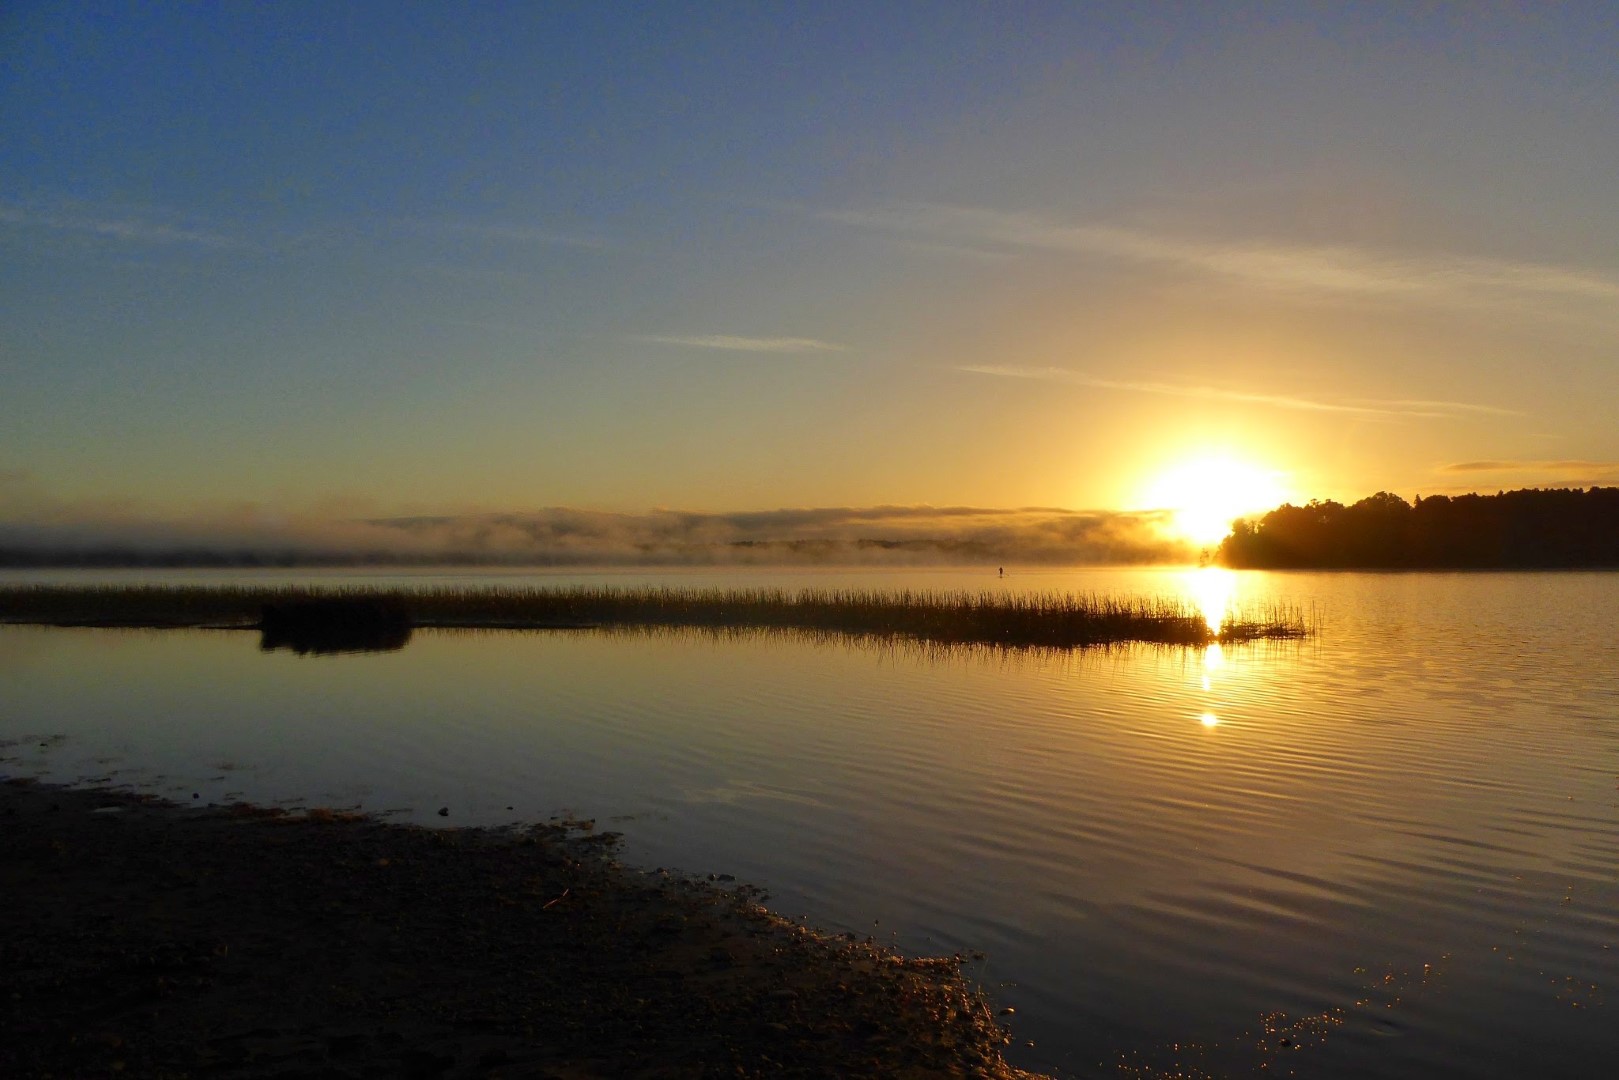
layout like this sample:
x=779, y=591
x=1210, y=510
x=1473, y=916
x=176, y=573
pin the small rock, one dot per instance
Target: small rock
x=444, y=811
x=196, y=795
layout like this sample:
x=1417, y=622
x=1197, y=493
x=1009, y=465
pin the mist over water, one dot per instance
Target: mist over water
x=893, y=536
x=1386, y=851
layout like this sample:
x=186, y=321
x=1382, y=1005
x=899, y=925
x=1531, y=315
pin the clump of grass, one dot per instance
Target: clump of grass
x=1270, y=620
x=1051, y=619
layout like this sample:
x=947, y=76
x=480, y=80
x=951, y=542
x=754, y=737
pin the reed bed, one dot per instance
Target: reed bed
x=1051, y=619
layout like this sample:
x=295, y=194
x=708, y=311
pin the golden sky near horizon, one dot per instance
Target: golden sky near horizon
x=275, y=261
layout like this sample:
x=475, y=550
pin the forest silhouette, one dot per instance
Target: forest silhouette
x=1524, y=529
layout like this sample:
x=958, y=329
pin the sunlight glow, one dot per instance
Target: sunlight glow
x=1208, y=719
x=1207, y=493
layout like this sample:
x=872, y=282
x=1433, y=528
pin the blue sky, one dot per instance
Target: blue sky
x=382, y=258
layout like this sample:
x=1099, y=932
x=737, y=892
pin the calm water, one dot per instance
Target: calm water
x=1395, y=846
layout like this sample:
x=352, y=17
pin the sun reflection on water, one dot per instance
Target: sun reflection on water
x=1211, y=588
x=1213, y=660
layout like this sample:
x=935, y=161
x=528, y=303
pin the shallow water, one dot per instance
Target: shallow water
x=1402, y=836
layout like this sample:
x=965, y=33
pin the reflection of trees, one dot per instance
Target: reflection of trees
x=1523, y=529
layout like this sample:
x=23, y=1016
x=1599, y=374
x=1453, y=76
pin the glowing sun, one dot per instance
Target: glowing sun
x=1206, y=494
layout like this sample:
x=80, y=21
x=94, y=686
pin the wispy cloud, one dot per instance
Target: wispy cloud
x=508, y=234
x=736, y=343
x=1534, y=466
x=1521, y=472
x=477, y=273
x=1319, y=269
x=1363, y=407
x=1448, y=407
x=125, y=228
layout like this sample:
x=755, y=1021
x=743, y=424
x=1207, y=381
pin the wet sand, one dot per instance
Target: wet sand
x=140, y=938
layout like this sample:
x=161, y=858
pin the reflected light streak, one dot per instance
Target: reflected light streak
x=1209, y=720
x=1213, y=660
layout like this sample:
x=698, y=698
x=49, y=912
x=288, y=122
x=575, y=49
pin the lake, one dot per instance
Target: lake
x=1392, y=849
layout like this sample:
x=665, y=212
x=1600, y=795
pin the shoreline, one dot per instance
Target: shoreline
x=148, y=938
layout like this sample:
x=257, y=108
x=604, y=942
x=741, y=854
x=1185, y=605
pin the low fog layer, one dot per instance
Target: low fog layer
x=882, y=535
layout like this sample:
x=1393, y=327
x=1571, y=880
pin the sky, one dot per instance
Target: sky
x=313, y=261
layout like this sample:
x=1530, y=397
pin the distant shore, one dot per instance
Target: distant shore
x=1049, y=620
x=1527, y=529
x=148, y=939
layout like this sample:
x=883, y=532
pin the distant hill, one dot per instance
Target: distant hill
x=1527, y=529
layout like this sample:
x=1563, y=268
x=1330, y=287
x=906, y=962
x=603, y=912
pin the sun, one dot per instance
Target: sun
x=1205, y=494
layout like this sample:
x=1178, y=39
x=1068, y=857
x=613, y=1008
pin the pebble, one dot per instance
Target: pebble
x=444, y=811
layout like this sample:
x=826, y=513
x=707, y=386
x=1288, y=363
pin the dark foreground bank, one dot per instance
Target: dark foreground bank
x=144, y=939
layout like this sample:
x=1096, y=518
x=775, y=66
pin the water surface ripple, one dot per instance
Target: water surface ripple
x=1393, y=846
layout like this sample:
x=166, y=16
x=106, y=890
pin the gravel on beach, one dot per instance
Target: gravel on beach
x=144, y=939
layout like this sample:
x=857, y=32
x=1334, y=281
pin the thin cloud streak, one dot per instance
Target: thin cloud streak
x=1533, y=466
x=1368, y=409
x=735, y=343
x=125, y=229
x=1331, y=269
x=508, y=234
x=1452, y=407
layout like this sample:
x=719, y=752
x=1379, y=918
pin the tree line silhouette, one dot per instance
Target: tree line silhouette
x=1525, y=529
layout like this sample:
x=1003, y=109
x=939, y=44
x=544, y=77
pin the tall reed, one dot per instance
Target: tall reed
x=1033, y=619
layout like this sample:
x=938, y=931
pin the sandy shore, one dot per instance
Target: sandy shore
x=144, y=939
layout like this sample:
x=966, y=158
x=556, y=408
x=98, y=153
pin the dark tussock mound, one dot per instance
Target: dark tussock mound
x=336, y=625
